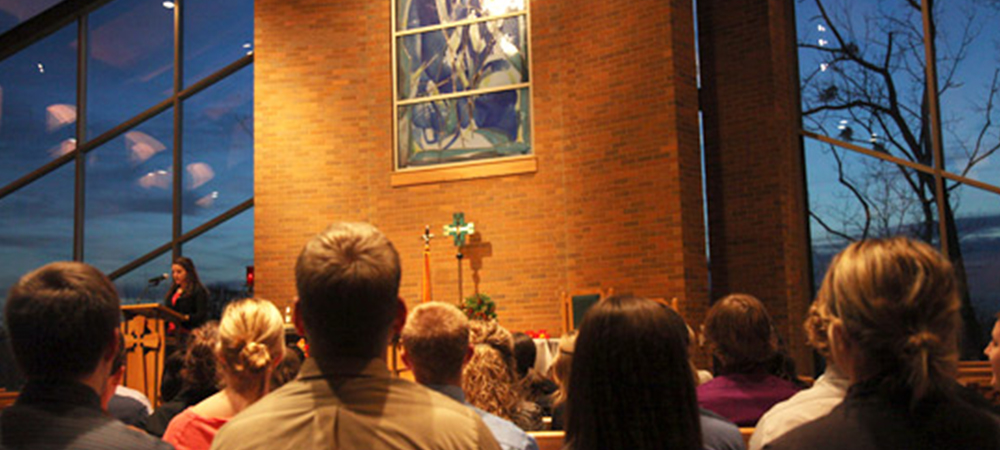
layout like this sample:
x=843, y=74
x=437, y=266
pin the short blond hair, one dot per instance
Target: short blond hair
x=436, y=340
x=251, y=339
x=898, y=302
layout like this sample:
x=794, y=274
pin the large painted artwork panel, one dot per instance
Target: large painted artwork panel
x=478, y=56
x=464, y=129
x=413, y=14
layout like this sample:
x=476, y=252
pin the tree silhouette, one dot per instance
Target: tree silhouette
x=870, y=90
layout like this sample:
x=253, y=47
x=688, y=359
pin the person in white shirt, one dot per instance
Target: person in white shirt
x=813, y=403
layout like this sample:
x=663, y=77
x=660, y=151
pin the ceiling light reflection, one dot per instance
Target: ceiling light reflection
x=159, y=179
x=141, y=146
x=200, y=173
x=169, y=4
x=59, y=115
x=63, y=148
x=208, y=200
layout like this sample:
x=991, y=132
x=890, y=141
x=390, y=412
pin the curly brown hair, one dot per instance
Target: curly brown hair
x=488, y=379
x=199, y=367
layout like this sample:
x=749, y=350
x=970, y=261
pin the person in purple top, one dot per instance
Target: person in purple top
x=742, y=338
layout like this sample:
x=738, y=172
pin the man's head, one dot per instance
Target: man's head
x=348, y=283
x=62, y=320
x=436, y=343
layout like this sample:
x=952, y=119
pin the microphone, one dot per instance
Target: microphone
x=157, y=279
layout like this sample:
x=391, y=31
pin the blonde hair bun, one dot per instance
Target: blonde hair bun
x=254, y=357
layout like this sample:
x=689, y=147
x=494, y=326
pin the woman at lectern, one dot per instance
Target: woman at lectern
x=187, y=295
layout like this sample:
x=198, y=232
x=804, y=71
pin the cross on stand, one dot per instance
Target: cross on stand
x=459, y=229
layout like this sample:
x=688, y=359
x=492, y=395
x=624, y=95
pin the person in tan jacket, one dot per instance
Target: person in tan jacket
x=344, y=397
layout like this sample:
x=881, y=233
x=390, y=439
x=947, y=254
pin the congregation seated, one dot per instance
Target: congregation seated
x=250, y=346
x=632, y=386
x=894, y=307
x=289, y=367
x=348, y=309
x=489, y=378
x=197, y=377
x=63, y=320
x=805, y=406
x=742, y=337
x=436, y=346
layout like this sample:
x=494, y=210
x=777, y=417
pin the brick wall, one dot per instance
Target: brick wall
x=753, y=159
x=616, y=201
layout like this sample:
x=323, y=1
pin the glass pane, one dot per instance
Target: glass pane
x=482, y=55
x=129, y=61
x=129, y=194
x=423, y=13
x=850, y=89
x=216, y=33
x=853, y=196
x=977, y=225
x=967, y=65
x=16, y=12
x=218, y=148
x=221, y=257
x=36, y=227
x=143, y=285
x=464, y=129
x=37, y=104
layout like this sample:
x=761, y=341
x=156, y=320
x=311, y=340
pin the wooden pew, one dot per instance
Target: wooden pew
x=746, y=432
x=548, y=440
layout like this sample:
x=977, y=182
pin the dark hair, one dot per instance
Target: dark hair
x=525, y=353
x=192, y=274
x=61, y=318
x=199, y=371
x=348, y=284
x=741, y=333
x=631, y=385
x=288, y=369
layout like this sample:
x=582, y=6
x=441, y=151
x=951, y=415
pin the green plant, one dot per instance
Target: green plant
x=479, y=306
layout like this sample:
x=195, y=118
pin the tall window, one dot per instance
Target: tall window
x=126, y=140
x=901, y=121
x=462, y=85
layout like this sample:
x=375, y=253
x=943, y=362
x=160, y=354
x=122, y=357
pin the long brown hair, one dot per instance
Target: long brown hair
x=631, y=386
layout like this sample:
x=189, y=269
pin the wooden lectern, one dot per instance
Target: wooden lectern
x=145, y=335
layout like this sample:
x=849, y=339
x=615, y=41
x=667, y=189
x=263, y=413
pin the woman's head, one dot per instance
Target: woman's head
x=561, y=367
x=251, y=343
x=631, y=385
x=488, y=379
x=199, y=369
x=895, y=310
x=183, y=272
x=740, y=333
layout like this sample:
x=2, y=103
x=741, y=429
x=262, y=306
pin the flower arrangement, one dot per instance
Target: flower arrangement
x=479, y=306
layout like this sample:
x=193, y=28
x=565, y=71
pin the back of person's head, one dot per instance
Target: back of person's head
x=348, y=284
x=562, y=366
x=897, y=301
x=251, y=342
x=436, y=341
x=817, y=325
x=631, y=386
x=488, y=379
x=62, y=319
x=525, y=353
x=288, y=368
x=740, y=333
x=199, y=369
